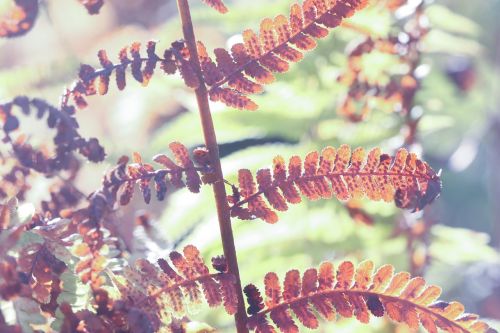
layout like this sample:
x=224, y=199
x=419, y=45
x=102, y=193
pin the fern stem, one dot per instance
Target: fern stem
x=223, y=211
x=354, y=27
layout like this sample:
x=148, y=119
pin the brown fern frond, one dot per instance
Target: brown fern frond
x=397, y=91
x=118, y=184
x=35, y=274
x=113, y=316
x=11, y=281
x=67, y=139
x=250, y=64
x=14, y=176
x=354, y=292
x=92, y=6
x=20, y=19
x=118, y=187
x=340, y=173
x=92, y=81
x=41, y=269
x=168, y=290
x=384, y=95
x=95, y=246
x=63, y=195
x=357, y=213
x=109, y=316
x=218, y=5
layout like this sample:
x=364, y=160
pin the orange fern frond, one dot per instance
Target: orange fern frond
x=354, y=292
x=357, y=103
x=280, y=41
x=20, y=19
x=218, y=5
x=404, y=178
x=119, y=183
x=166, y=292
x=92, y=81
x=92, y=6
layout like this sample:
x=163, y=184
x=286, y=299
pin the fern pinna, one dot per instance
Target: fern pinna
x=92, y=81
x=235, y=74
x=404, y=178
x=397, y=92
x=120, y=181
x=164, y=293
x=218, y=5
x=280, y=41
x=354, y=292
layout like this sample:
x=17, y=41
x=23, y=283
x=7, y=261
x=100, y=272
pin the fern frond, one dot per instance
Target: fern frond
x=218, y=5
x=92, y=81
x=389, y=95
x=95, y=253
x=119, y=183
x=41, y=269
x=167, y=292
x=397, y=92
x=66, y=140
x=15, y=178
x=96, y=246
x=404, y=178
x=357, y=213
x=92, y=6
x=354, y=292
x=118, y=187
x=20, y=19
x=280, y=41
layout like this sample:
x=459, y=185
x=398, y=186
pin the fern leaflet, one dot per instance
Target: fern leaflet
x=354, y=292
x=92, y=81
x=120, y=181
x=282, y=40
x=166, y=292
x=404, y=178
x=218, y=5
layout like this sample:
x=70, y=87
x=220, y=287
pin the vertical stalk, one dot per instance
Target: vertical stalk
x=223, y=213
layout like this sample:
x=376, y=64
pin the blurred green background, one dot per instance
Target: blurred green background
x=459, y=133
